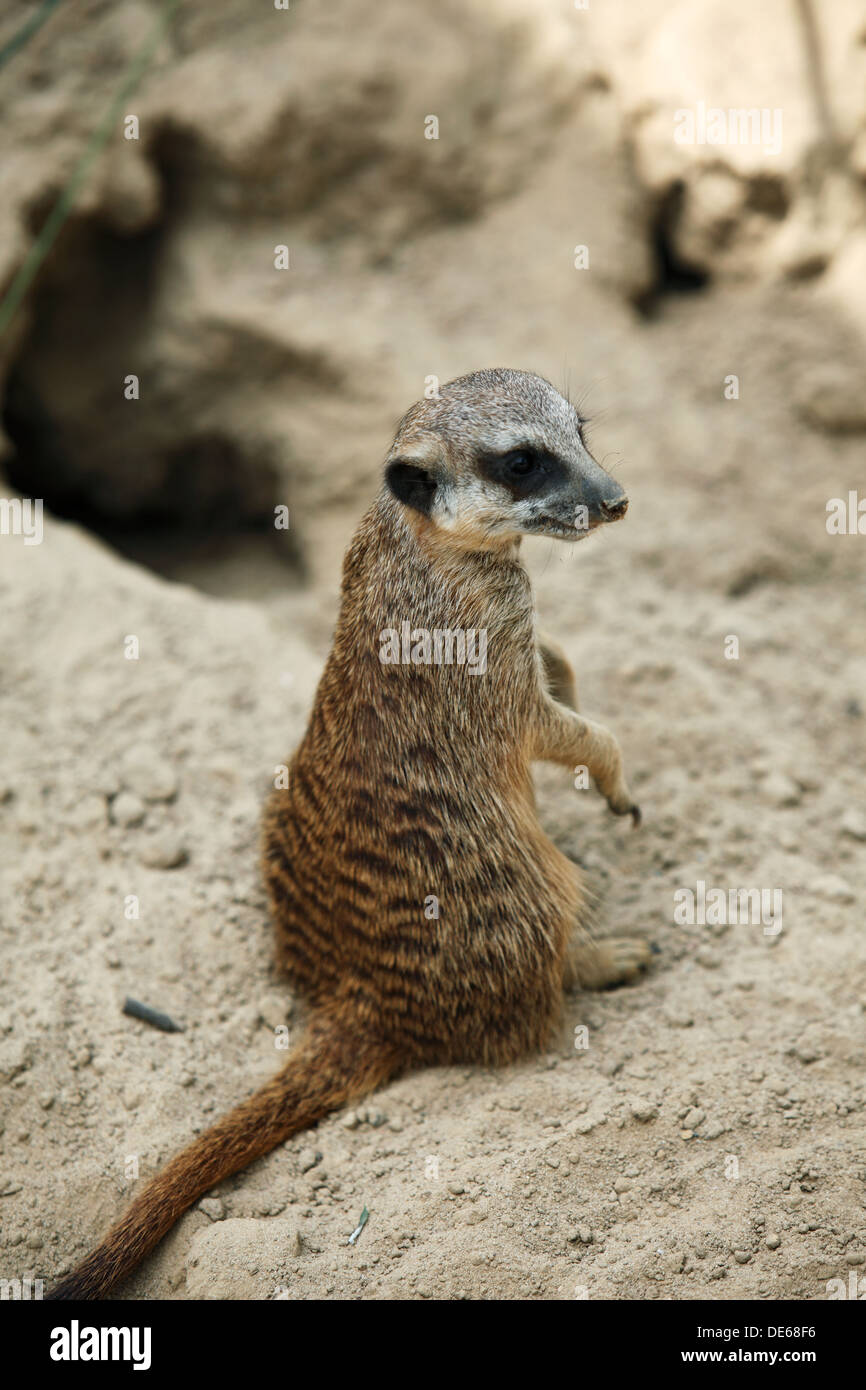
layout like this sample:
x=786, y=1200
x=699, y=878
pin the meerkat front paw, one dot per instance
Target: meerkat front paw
x=622, y=805
x=610, y=780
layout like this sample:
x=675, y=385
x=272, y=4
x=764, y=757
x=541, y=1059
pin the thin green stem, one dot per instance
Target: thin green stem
x=26, y=32
x=49, y=232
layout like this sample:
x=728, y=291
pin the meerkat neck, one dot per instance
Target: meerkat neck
x=448, y=551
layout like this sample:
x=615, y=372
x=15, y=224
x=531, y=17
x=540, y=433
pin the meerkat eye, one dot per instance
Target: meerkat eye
x=523, y=471
x=519, y=463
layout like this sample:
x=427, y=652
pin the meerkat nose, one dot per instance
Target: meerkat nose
x=613, y=510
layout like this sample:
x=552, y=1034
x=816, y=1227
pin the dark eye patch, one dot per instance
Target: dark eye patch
x=524, y=471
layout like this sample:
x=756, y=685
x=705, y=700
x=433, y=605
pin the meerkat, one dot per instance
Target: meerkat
x=417, y=903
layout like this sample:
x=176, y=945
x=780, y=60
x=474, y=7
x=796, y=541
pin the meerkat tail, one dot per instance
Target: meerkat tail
x=330, y=1066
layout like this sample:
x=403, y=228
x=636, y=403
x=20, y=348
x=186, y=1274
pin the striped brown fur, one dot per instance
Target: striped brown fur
x=413, y=783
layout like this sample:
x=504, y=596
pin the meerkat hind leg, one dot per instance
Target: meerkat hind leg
x=601, y=964
x=558, y=674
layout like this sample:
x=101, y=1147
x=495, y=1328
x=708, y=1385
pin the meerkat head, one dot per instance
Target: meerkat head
x=497, y=455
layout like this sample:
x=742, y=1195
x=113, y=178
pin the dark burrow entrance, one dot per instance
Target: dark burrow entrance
x=673, y=275
x=111, y=431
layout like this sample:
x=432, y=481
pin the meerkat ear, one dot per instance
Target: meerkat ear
x=412, y=484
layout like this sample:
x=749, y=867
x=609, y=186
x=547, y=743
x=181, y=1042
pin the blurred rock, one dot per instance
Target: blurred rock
x=148, y=775
x=257, y=387
x=127, y=810
x=833, y=398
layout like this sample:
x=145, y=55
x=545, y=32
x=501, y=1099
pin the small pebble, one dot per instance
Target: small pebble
x=88, y=813
x=677, y=1016
x=712, y=1129
x=127, y=810
x=148, y=775
x=163, y=851
x=853, y=823
x=780, y=790
x=833, y=887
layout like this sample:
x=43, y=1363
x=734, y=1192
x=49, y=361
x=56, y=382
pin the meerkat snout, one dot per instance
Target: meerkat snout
x=498, y=455
x=604, y=499
x=614, y=508
x=614, y=511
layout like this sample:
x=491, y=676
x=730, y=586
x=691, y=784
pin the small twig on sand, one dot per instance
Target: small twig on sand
x=136, y=1009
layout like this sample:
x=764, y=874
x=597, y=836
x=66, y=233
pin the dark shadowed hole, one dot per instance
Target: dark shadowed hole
x=190, y=502
x=769, y=196
x=673, y=274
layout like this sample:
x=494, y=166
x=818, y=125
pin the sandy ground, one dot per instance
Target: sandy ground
x=704, y=1136
x=707, y=1141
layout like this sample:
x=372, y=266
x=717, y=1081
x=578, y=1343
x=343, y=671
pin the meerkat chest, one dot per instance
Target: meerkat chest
x=489, y=635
